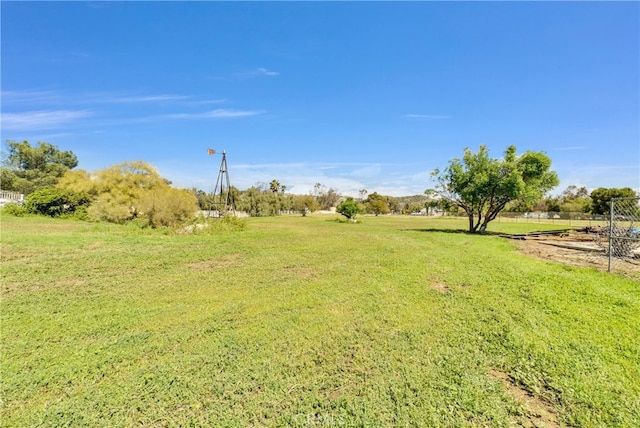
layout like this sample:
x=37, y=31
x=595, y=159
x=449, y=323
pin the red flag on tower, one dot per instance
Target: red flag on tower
x=211, y=151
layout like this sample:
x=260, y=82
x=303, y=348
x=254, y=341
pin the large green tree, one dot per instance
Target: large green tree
x=601, y=198
x=483, y=186
x=377, y=204
x=575, y=200
x=26, y=168
x=304, y=204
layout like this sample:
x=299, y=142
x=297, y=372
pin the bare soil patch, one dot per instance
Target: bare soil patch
x=539, y=412
x=576, y=249
x=440, y=287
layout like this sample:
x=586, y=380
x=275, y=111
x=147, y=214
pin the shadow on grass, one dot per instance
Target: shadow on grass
x=461, y=231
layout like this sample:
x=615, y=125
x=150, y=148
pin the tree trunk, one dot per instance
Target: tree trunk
x=490, y=217
x=472, y=227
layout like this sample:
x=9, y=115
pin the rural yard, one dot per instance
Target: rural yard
x=320, y=214
x=312, y=321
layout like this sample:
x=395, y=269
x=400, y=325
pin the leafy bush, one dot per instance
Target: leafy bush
x=55, y=202
x=228, y=223
x=108, y=207
x=80, y=213
x=14, y=209
x=133, y=192
x=349, y=208
x=167, y=206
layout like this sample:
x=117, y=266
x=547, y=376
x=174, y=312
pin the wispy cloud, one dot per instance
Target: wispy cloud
x=149, y=99
x=323, y=165
x=48, y=97
x=593, y=176
x=265, y=72
x=367, y=171
x=27, y=97
x=216, y=114
x=42, y=119
x=205, y=102
x=426, y=116
x=258, y=72
x=347, y=178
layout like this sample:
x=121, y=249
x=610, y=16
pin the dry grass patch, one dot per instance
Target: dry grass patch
x=10, y=288
x=226, y=261
x=94, y=245
x=300, y=272
x=70, y=282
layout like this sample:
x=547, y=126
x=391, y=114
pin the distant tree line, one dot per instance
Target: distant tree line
x=270, y=199
x=576, y=199
x=476, y=185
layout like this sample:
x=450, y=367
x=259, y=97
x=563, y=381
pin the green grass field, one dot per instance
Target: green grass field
x=395, y=321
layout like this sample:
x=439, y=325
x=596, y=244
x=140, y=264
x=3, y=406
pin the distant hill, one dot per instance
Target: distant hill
x=412, y=200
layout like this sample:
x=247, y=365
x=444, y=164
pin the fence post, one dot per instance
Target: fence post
x=610, y=234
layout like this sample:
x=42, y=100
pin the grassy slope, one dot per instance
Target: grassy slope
x=305, y=321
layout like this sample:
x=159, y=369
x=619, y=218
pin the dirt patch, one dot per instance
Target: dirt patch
x=539, y=413
x=576, y=249
x=440, y=287
x=435, y=284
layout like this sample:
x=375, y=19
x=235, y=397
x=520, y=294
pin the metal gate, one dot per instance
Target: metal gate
x=624, y=230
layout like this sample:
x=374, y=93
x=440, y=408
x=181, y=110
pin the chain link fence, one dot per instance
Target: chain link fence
x=612, y=240
x=574, y=219
x=624, y=231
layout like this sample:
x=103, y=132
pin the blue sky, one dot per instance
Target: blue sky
x=358, y=95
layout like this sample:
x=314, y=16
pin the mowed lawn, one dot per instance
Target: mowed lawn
x=396, y=321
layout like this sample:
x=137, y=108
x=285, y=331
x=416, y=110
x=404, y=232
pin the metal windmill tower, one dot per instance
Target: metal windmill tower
x=222, y=202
